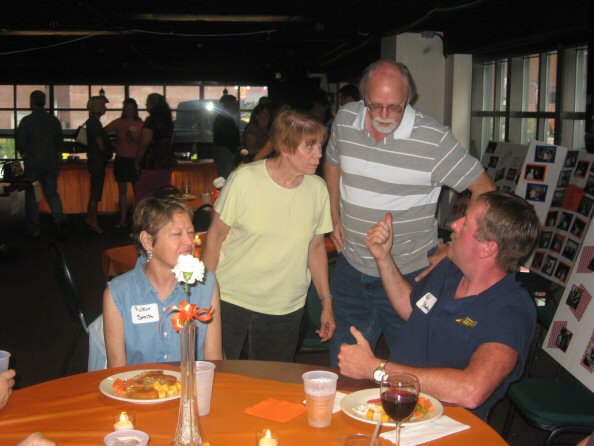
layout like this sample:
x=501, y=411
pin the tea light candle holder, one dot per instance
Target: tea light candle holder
x=124, y=421
x=266, y=437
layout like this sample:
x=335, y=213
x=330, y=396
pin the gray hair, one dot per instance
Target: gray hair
x=403, y=69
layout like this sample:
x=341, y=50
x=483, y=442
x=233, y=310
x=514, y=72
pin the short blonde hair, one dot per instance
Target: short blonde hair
x=291, y=127
x=152, y=214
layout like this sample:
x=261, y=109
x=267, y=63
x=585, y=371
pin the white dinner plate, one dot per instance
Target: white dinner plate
x=106, y=386
x=350, y=403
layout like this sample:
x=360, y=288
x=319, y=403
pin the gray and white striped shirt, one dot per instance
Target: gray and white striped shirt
x=401, y=174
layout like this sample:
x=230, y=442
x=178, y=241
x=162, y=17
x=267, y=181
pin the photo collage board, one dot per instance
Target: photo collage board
x=570, y=339
x=561, y=188
x=503, y=162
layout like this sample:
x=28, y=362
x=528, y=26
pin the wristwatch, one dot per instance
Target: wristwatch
x=380, y=371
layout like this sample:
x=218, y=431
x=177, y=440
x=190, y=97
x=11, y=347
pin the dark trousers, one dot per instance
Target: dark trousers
x=268, y=337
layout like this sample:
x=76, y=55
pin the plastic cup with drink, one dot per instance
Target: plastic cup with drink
x=320, y=391
x=204, y=376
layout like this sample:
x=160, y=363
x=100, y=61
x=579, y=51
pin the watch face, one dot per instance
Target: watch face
x=378, y=375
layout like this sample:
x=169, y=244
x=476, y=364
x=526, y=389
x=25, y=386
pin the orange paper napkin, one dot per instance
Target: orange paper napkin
x=276, y=410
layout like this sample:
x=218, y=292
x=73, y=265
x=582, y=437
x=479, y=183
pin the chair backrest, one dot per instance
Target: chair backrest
x=67, y=285
x=202, y=218
x=166, y=191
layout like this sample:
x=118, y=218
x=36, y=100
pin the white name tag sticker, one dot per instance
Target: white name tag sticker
x=426, y=302
x=144, y=314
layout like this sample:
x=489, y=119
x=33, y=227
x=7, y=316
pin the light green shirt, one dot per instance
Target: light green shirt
x=263, y=261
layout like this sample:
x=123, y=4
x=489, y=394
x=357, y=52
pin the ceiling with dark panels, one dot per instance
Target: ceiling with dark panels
x=253, y=40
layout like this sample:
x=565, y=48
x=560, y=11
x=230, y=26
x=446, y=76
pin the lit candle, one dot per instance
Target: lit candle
x=124, y=421
x=269, y=439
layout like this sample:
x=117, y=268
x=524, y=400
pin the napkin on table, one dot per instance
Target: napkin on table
x=337, y=399
x=276, y=410
x=412, y=435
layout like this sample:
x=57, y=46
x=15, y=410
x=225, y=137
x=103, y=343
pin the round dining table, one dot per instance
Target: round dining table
x=72, y=410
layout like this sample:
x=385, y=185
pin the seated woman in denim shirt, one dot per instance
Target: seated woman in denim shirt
x=135, y=302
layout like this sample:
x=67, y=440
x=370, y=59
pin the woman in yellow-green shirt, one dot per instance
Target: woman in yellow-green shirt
x=266, y=244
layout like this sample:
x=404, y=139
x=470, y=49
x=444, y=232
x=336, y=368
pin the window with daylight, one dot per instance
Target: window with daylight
x=533, y=97
x=69, y=103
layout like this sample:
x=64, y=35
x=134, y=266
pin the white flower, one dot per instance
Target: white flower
x=189, y=269
x=218, y=182
x=244, y=152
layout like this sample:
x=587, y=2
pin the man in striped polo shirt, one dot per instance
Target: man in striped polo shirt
x=383, y=155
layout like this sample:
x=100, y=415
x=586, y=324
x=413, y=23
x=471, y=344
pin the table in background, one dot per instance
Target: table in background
x=122, y=259
x=74, y=185
x=72, y=411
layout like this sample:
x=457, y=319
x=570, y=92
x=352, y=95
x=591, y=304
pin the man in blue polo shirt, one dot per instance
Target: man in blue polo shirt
x=469, y=323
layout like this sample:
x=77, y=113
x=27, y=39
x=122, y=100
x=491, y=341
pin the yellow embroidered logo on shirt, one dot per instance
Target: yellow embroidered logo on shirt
x=467, y=321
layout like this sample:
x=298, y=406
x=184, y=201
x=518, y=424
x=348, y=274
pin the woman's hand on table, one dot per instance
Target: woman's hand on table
x=36, y=439
x=327, y=322
x=6, y=384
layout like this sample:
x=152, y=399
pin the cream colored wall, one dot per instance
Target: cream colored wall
x=424, y=58
x=444, y=85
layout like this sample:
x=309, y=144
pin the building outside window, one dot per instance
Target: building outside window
x=534, y=97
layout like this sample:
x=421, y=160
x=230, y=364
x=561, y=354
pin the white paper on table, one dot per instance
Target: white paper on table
x=414, y=435
x=337, y=399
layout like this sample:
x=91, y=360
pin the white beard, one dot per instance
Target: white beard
x=376, y=123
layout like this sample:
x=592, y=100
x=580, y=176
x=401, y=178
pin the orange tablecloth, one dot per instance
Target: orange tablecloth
x=72, y=411
x=74, y=185
x=122, y=259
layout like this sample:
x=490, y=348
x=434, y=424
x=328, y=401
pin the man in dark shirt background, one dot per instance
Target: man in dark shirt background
x=226, y=136
x=39, y=141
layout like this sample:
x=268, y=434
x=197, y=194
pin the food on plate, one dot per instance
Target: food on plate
x=373, y=410
x=149, y=385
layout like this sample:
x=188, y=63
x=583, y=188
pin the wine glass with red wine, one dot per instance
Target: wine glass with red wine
x=399, y=393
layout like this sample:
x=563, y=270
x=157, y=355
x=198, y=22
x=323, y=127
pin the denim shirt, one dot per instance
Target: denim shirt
x=144, y=343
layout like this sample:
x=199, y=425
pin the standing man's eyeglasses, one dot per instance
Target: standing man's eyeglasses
x=390, y=108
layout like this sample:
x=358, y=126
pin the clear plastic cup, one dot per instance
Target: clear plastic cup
x=357, y=440
x=320, y=391
x=204, y=376
x=4, y=360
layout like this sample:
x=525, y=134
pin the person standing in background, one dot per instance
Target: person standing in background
x=226, y=135
x=128, y=129
x=155, y=158
x=349, y=93
x=39, y=140
x=99, y=151
x=255, y=135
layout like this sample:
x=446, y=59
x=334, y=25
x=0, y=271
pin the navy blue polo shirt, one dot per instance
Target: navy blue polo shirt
x=447, y=334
